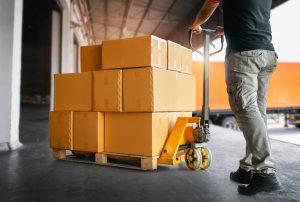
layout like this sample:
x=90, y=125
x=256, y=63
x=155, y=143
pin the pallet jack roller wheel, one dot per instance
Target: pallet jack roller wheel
x=193, y=158
x=206, y=158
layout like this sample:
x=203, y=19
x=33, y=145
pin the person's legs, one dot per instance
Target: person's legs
x=247, y=81
x=263, y=83
x=242, y=85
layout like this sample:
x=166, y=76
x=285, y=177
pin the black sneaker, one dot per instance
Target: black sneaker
x=259, y=182
x=241, y=176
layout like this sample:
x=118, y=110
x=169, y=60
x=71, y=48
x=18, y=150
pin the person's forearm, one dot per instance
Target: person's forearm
x=205, y=12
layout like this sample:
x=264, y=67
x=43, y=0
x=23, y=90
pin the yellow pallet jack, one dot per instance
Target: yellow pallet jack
x=188, y=141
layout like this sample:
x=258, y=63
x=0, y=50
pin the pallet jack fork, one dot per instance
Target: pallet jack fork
x=185, y=140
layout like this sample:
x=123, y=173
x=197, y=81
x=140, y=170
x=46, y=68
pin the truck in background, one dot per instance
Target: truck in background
x=283, y=94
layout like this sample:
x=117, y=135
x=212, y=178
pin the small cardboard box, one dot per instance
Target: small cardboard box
x=88, y=131
x=186, y=92
x=91, y=58
x=186, y=60
x=107, y=87
x=61, y=130
x=134, y=52
x=73, y=92
x=174, y=56
x=149, y=90
x=142, y=134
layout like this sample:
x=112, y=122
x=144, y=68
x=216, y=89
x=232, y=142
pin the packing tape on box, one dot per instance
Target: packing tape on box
x=156, y=59
x=158, y=45
x=151, y=57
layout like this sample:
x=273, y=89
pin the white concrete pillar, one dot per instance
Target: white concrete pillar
x=67, y=38
x=11, y=14
x=55, y=51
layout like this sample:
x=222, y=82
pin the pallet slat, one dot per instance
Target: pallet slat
x=112, y=159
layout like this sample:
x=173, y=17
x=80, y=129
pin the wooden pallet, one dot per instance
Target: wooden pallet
x=110, y=159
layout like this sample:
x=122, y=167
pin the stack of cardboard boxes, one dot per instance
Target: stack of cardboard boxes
x=126, y=98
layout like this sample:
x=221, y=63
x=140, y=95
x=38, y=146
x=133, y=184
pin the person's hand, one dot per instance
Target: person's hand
x=219, y=31
x=196, y=28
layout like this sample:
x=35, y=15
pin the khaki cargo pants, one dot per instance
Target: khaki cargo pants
x=247, y=79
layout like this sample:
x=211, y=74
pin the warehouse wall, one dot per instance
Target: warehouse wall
x=10, y=66
x=70, y=16
x=67, y=40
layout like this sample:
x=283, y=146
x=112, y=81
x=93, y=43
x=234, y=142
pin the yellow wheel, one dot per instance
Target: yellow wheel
x=193, y=158
x=206, y=158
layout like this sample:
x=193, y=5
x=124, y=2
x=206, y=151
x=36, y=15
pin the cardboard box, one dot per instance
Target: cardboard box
x=186, y=60
x=73, y=92
x=107, y=87
x=157, y=90
x=91, y=58
x=149, y=90
x=134, y=52
x=88, y=131
x=186, y=92
x=61, y=130
x=141, y=134
x=174, y=56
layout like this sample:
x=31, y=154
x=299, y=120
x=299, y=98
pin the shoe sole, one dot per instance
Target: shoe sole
x=269, y=189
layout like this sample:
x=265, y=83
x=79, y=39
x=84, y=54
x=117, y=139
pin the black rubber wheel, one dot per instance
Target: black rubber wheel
x=229, y=122
x=298, y=125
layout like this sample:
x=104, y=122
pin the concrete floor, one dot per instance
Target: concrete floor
x=31, y=174
x=289, y=134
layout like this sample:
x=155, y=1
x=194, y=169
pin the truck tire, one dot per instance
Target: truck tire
x=298, y=125
x=229, y=122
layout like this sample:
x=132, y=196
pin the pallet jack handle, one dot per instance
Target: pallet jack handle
x=209, y=32
x=205, y=107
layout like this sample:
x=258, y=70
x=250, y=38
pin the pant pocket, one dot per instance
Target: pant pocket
x=272, y=61
x=235, y=94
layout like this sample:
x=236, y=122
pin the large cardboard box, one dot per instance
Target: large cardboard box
x=134, y=52
x=149, y=90
x=186, y=60
x=157, y=90
x=61, y=130
x=88, y=131
x=186, y=92
x=91, y=58
x=174, y=56
x=73, y=92
x=141, y=134
x=107, y=87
